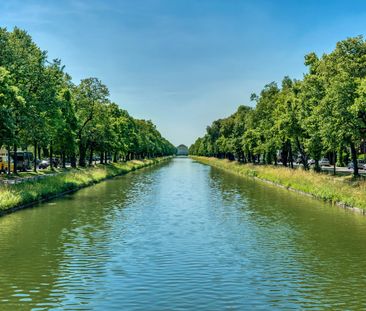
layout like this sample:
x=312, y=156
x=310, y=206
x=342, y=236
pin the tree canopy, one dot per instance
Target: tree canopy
x=42, y=109
x=324, y=114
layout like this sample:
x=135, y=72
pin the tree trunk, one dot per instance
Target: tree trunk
x=15, y=168
x=9, y=160
x=334, y=163
x=317, y=166
x=73, y=160
x=82, y=155
x=91, y=155
x=354, y=160
x=340, y=157
x=291, y=156
x=51, y=156
x=285, y=153
x=63, y=160
x=35, y=157
x=302, y=154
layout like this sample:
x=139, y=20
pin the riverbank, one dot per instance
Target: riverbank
x=18, y=196
x=339, y=190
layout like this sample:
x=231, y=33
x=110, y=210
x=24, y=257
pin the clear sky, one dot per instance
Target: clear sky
x=184, y=63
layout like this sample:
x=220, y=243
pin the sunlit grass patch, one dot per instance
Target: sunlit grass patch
x=31, y=191
x=335, y=189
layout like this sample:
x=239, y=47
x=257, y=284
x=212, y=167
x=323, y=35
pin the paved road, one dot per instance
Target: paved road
x=344, y=170
x=339, y=169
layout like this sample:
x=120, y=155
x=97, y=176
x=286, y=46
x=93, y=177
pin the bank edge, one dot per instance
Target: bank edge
x=27, y=194
x=346, y=193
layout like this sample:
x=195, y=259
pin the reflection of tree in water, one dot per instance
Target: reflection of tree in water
x=266, y=243
x=315, y=249
x=42, y=247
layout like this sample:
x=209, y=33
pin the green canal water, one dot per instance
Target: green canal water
x=182, y=236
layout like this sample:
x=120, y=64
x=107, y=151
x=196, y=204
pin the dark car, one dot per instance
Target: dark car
x=56, y=162
x=44, y=164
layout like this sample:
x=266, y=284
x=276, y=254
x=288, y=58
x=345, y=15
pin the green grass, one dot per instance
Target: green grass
x=46, y=171
x=27, y=192
x=335, y=189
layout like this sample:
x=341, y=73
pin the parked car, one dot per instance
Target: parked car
x=360, y=163
x=324, y=162
x=56, y=162
x=23, y=158
x=311, y=162
x=44, y=164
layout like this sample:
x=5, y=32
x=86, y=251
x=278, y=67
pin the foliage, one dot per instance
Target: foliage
x=41, y=108
x=340, y=190
x=322, y=115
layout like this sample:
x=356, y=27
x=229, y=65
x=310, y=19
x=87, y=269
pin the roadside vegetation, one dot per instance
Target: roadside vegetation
x=31, y=174
x=12, y=196
x=322, y=115
x=44, y=112
x=344, y=190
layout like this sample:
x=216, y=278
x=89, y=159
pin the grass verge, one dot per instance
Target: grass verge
x=341, y=190
x=29, y=174
x=13, y=196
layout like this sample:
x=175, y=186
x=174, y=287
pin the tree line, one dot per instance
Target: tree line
x=322, y=114
x=42, y=109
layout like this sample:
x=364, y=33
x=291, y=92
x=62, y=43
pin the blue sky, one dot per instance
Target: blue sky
x=184, y=63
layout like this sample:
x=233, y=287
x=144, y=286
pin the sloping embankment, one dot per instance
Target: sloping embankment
x=342, y=191
x=19, y=196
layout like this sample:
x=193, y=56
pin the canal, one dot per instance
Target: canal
x=182, y=236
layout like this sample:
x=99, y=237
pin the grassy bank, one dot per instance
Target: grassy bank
x=13, y=196
x=30, y=174
x=340, y=190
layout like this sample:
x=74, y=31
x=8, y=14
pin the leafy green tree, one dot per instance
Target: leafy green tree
x=342, y=72
x=90, y=94
x=11, y=105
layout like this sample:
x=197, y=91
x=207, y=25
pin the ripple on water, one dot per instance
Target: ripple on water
x=182, y=236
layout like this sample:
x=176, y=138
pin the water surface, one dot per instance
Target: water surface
x=182, y=236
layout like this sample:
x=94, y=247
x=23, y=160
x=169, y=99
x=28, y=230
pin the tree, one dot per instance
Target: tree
x=343, y=71
x=11, y=105
x=90, y=94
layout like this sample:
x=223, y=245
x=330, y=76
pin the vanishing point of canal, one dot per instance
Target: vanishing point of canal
x=182, y=236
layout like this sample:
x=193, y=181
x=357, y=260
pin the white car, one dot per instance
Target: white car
x=324, y=162
x=360, y=163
